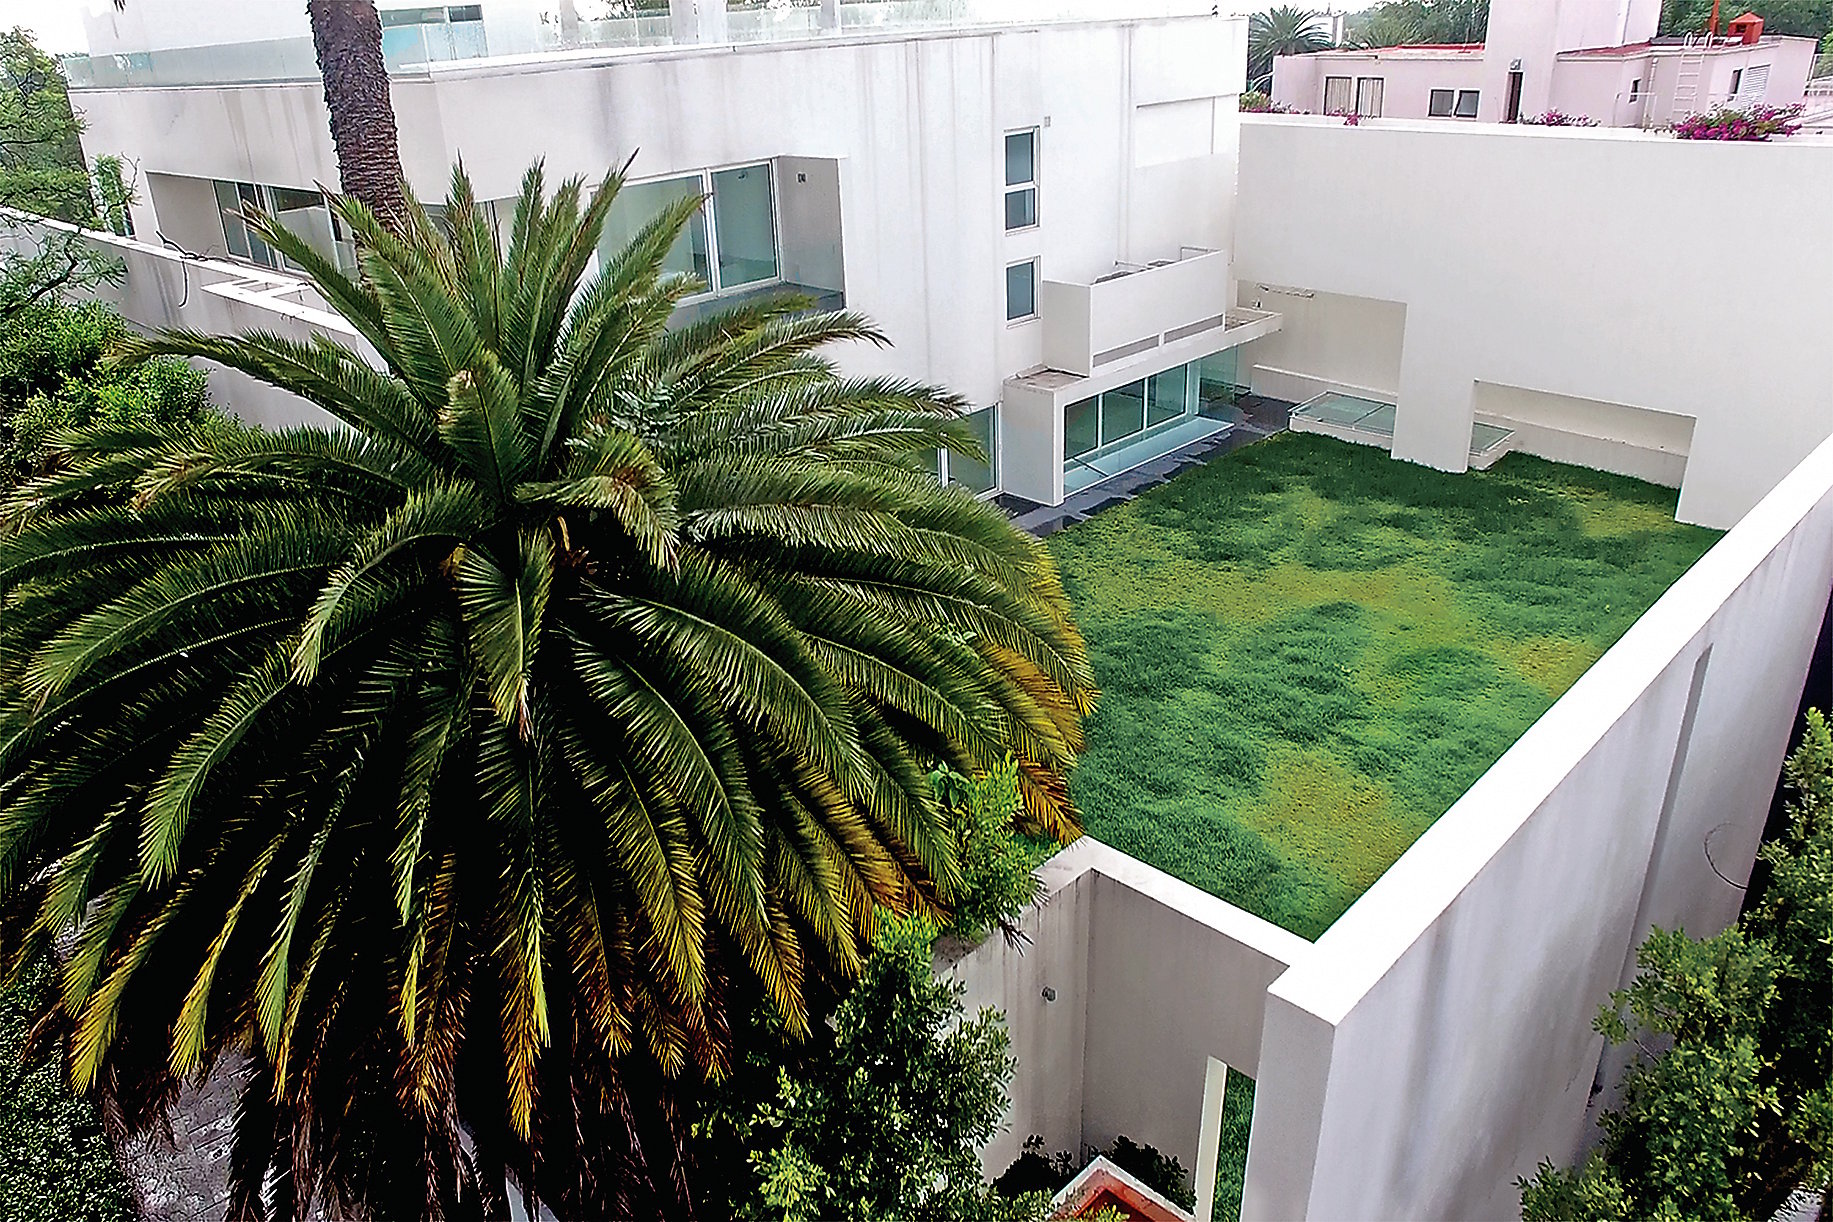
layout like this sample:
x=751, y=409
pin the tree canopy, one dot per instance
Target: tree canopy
x=492, y=750
x=1284, y=30
x=1802, y=18
x=1411, y=22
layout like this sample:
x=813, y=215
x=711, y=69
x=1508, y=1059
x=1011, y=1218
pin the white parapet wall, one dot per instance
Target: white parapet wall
x=161, y=288
x=1126, y=981
x=1436, y=1043
x=1571, y=264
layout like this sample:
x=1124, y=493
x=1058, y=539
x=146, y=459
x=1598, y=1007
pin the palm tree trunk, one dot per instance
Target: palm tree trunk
x=347, y=35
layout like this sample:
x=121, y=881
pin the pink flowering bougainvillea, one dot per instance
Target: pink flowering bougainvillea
x=1254, y=102
x=1756, y=122
x=1559, y=118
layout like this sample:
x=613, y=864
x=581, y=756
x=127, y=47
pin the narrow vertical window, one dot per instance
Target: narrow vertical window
x=1021, y=290
x=1021, y=179
x=1337, y=95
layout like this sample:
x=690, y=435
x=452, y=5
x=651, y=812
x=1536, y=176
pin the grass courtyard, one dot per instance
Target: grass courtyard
x=1308, y=651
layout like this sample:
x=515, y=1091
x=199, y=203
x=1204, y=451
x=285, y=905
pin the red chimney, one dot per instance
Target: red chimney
x=1746, y=29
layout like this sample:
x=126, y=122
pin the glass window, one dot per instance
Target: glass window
x=1218, y=382
x=1021, y=208
x=1123, y=412
x=1369, y=91
x=744, y=225
x=235, y=233
x=1081, y=429
x=1336, y=95
x=1021, y=158
x=1021, y=290
x=1635, y=89
x=1167, y=394
x=1441, y=103
x=970, y=472
x=308, y=216
x=1021, y=179
x=1467, y=103
x=637, y=204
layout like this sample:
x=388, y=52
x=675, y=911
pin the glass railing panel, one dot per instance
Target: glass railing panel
x=408, y=47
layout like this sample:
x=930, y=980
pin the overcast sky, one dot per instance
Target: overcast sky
x=59, y=23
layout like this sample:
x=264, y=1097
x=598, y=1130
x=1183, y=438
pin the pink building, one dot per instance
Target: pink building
x=1596, y=58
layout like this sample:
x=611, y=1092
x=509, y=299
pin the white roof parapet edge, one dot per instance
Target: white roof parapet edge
x=1391, y=916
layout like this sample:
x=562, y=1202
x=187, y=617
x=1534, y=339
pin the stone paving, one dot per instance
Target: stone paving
x=1260, y=418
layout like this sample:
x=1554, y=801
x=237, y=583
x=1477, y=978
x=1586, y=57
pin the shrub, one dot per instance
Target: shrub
x=1254, y=102
x=1735, y=1110
x=1756, y=122
x=997, y=863
x=55, y=1164
x=883, y=1114
x=54, y=376
x=1559, y=118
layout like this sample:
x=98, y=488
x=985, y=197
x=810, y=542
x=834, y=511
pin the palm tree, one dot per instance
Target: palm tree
x=347, y=35
x=468, y=762
x=1284, y=30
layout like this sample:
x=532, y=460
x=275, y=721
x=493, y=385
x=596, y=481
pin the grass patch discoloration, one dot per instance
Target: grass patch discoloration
x=1308, y=651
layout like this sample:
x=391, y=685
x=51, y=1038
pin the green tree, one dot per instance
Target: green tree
x=885, y=1121
x=997, y=864
x=1800, y=18
x=1284, y=30
x=1728, y=1108
x=41, y=172
x=1410, y=22
x=54, y=377
x=472, y=760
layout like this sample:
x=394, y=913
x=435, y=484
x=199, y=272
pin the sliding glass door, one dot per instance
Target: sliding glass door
x=729, y=244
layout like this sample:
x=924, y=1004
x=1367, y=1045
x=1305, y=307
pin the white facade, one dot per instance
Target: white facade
x=1598, y=59
x=885, y=152
x=1564, y=283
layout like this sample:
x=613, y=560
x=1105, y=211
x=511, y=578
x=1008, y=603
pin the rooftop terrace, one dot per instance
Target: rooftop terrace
x=1308, y=652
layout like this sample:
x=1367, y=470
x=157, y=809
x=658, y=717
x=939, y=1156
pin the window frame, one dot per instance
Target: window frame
x=1034, y=262
x=1476, y=102
x=1449, y=101
x=1379, y=92
x=1348, y=89
x=945, y=463
x=1031, y=185
x=1635, y=90
x=705, y=175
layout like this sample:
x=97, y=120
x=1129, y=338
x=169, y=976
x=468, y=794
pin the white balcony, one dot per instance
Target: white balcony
x=1133, y=310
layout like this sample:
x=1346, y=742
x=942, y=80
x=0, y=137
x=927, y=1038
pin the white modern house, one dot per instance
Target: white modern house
x=1599, y=59
x=1066, y=220
x=1034, y=206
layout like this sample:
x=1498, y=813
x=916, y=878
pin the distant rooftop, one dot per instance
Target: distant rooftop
x=1428, y=50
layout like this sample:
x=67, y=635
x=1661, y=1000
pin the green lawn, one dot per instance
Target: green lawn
x=1308, y=651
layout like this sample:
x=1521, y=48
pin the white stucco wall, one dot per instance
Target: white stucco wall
x=1567, y=262
x=1137, y=138
x=1150, y=979
x=1409, y=77
x=1435, y=1043
x=211, y=296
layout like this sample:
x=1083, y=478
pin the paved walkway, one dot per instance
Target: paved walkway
x=1260, y=418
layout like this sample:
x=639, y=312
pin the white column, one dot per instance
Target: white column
x=1209, y=1137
